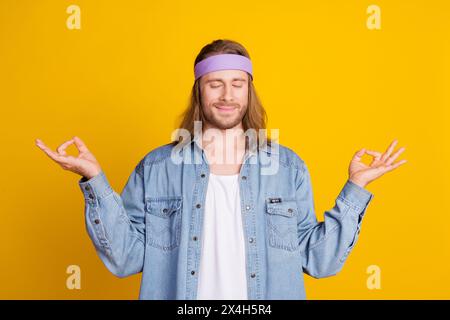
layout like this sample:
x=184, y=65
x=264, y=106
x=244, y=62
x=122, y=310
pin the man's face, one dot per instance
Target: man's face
x=224, y=97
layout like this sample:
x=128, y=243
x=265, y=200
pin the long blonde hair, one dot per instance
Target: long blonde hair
x=255, y=116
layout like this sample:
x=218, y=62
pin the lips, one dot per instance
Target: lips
x=225, y=108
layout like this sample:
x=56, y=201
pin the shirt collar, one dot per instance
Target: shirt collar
x=272, y=149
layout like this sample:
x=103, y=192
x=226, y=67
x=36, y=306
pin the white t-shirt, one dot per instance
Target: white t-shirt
x=222, y=271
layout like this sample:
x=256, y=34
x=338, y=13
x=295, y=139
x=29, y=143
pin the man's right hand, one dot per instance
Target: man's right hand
x=84, y=164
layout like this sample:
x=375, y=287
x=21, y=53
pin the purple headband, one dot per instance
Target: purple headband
x=223, y=62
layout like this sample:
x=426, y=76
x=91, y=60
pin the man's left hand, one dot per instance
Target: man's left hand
x=361, y=174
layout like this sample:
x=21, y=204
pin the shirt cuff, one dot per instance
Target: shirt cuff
x=355, y=195
x=95, y=188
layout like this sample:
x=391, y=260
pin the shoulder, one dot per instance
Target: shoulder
x=289, y=158
x=158, y=154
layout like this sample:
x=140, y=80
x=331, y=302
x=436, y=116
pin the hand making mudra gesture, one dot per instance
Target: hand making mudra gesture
x=362, y=174
x=86, y=165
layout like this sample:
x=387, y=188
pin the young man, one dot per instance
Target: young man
x=199, y=227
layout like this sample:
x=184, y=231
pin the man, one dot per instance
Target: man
x=198, y=227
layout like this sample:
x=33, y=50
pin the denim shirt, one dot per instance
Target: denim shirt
x=154, y=226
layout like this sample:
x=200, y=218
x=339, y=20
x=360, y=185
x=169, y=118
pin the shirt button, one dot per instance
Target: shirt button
x=247, y=207
x=194, y=238
x=91, y=196
x=244, y=178
x=165, y=210
x=96, y=221
x=290, y=210
x=87, y=188
x=202, y=175
x=251, y=240
x=253, y=275
x=192, y=272
x=198, y=205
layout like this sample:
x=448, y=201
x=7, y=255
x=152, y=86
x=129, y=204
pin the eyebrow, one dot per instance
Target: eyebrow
x=221, y=80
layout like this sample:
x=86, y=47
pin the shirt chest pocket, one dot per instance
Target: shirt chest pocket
x=281, y=223
x=163, y=222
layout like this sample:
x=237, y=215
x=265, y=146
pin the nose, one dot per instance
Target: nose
x=227, y=94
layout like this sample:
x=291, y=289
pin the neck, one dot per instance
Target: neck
x=226, y=145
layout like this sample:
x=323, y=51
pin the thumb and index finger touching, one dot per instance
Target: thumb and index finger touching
x=60, y=155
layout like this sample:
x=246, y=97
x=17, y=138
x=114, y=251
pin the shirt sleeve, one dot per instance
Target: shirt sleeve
x=116, y=223
x=326, y=245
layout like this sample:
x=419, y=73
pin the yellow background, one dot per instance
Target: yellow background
x=328, y=83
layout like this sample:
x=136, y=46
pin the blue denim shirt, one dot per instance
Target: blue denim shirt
x=154, y=226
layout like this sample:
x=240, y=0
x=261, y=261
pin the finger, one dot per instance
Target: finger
x=389, y=150
x=53, y=155
x=81, y=146
x=61, y=149
x=375, y=154
x=395, y=156
x=395, y=165
x=358, y=154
